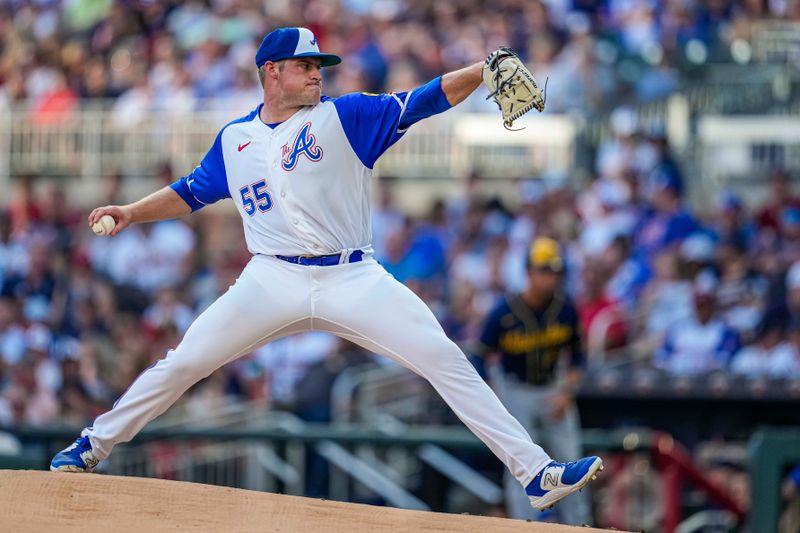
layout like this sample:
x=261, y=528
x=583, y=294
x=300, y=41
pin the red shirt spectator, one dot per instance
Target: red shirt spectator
x=780, y=198
x=595, y=307
x=56, y=105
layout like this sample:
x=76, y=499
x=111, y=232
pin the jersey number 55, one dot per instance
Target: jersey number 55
x=254, y=197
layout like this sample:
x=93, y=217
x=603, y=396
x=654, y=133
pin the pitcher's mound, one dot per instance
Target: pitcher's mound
x=88, y=503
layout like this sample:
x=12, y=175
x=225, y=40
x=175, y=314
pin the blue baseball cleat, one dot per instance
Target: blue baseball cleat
x=77, y=457
x=558, y=480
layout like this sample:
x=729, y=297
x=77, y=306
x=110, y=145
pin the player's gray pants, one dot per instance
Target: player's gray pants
x=561, y=438
x=360, y=302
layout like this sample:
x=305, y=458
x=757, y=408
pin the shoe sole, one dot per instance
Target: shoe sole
x=549, y=500
x=68, y=468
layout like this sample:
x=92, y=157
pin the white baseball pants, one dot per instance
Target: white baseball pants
x=360, y=302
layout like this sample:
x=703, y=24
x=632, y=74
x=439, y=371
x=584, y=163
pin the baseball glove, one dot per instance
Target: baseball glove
x=511, y=85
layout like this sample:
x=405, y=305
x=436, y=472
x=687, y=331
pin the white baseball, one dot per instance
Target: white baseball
x=104, y=226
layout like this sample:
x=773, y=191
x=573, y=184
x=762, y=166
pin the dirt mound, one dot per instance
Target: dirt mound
x=53, y=502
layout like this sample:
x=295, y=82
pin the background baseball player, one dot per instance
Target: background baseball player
x=299, y=169
x=533, y=332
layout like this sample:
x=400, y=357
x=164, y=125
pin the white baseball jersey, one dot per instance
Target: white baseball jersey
x=303, y=186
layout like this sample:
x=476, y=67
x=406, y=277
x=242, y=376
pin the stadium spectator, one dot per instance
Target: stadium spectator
x=53, y=51
x=793, y=371
x=615, y=155
x=790, y=301
x=780, y=197
x=770, y=355
x=741, y=294
x=730, y=224
x=790, y=236
x=667, y=298
x=628, y=274
x=597, y=310
x=669, y=222
x=12, y=334
x=697, y=254
x=285, y=361
x=702, y=342
x=609, y=217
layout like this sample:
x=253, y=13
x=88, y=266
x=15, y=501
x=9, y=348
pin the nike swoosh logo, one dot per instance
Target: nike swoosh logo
x=243, y=146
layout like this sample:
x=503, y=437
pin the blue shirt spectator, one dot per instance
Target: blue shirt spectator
x=700, y=343
x=669, y=222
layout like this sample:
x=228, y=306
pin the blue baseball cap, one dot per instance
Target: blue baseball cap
x=665, y=177
x=291, y=43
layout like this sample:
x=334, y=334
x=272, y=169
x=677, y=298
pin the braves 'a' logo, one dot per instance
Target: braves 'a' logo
x=304, y=144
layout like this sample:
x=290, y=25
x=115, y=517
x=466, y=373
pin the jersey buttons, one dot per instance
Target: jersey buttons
x=295, y=221
x=283, y=194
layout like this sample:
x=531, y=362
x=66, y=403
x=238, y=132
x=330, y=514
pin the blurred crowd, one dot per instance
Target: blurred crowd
x=653, y=279
x=173, y=55
x=686, y=291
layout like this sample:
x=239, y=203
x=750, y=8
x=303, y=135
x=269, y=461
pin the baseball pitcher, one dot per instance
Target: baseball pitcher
x=299, y=169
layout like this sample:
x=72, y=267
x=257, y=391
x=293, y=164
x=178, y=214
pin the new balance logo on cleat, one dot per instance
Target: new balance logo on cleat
x=552, y=476
x=558, y=480
x=90, y=460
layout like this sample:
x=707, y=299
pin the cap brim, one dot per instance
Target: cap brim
x=328, y=60
x=547, y=268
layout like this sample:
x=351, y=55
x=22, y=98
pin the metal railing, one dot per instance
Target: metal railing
x=334, y=442
x=355, y=470
x=386, y=397
x=259, y=464
x=746, y=146
x=726, y=89
x=771, y=450
x=776, y=41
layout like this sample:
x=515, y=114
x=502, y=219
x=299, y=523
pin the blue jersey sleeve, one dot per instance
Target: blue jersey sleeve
x=424, y=102
x=374, y=122
x=208, y=182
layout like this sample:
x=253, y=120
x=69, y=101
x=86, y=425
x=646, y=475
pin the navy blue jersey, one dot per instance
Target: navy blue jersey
x=532, y=341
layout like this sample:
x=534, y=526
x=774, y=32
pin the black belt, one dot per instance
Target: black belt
x=322, y=260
